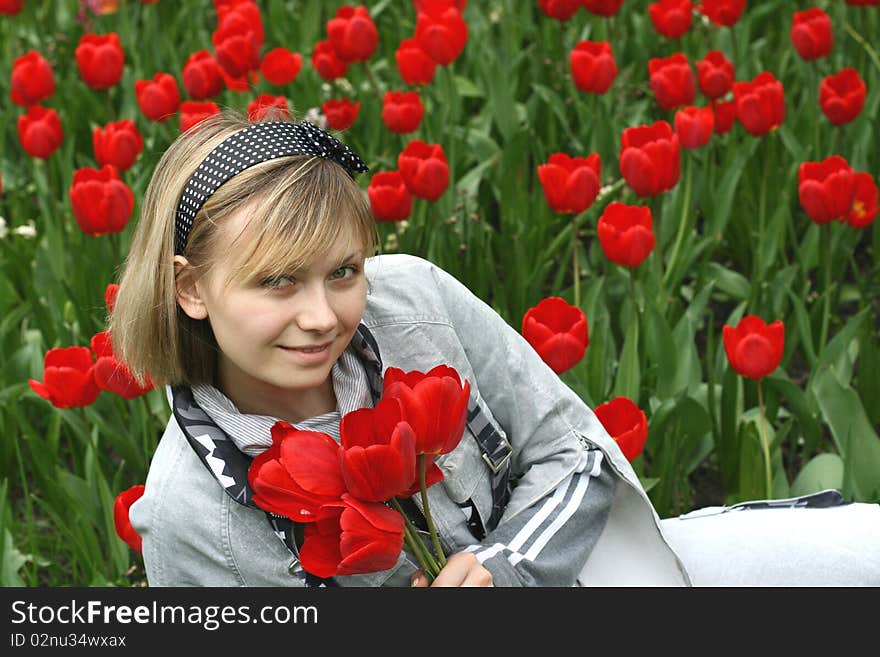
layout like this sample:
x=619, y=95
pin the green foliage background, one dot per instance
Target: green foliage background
x=744, y=246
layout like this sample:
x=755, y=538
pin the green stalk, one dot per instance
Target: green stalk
x=683, y=224
x=417, y=547
x=764, y=444
x=373, y=83
x=574, y=261
x=826, y=309
x=435, y=539
x=762, y=211
x=864, y=44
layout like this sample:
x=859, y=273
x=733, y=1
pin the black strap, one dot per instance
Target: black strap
x=229, y=465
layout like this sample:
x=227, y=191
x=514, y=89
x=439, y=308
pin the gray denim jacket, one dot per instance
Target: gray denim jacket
x=563, y=525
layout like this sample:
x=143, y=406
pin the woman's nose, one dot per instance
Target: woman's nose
x=316, y=314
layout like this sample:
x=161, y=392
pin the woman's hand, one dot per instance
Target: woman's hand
x=461, y=569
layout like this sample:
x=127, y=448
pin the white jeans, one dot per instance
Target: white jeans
x=834, y=546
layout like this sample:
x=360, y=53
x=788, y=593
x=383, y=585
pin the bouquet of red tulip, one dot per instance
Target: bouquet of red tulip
x=348, y=493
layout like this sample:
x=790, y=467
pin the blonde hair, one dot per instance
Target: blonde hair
x=300, y=206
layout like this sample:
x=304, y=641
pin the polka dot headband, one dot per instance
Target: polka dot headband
x=264, y=140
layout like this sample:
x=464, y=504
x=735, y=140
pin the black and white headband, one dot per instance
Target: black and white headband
x=264, y=140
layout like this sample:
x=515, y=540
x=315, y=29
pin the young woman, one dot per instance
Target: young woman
x=253, y=292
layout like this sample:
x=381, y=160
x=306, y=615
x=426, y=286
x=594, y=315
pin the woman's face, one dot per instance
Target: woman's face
x=260, y=326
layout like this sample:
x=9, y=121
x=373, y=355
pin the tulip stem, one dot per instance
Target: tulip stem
x=682, y=225
x=826, y=309
x=762, y=209
x=421, y=553
x=435, y=539
x=864, y=44
x=372, y=79
x=574, y=261
x=764, y=444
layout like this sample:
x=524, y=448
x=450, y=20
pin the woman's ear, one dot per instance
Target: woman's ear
x=188, y=296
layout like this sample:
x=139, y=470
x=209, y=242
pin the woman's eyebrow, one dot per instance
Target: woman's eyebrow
x=340, y=262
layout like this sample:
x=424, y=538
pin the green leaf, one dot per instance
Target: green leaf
x=836, y=354
x=730, y=282
x=800, y=408
x=628, y=375
x=11, y=562
x=821, y=472
x=855, y=438
x=803, y=325
x=466, y=88
x=661, y=351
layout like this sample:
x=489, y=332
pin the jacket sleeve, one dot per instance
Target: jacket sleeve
x=564, y=481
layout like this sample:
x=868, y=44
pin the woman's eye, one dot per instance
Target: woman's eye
x=278, y=281
x=354, y=271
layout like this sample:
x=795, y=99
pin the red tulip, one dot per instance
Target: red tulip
x=864, y=207
x=811, y=33
x=650, y=158
x=626, y=423
x=760, y=104
x=11, y=7
x=842, y=96
x=592, y=64
x=121, y=522
x=297, y=474
x=402, y=111
x=672, y=81
x=110, y=296
x=159, y=98
x=68, y=378
x=379, y=452
x=246, y=82
x=202, y=76
x=694, y=126
x=327, y=63
x=281, y=66
x=458, y=4
x=725, y=116
x=241, y=17
x=424, y=169
x=353, y=33
x=602, y=7
x=826, y=189
x=32, y=80
x=193, y=112
x=626, y=233
x=715, y=75
x=558, y=333
x=434, y=403
x=340, y=112
x=118, y=143
x=236, y=47
x=570, y=184
x=671, y=18
x=101, y=202
x=390, y=200
x=40, y=132
x=754, y=348
x=561, y=10
x=352, y=537
x=112, y=374
x=100, y=59
x=414, y=64
x=267, y=104
x=441, y=31
x=722, y=12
